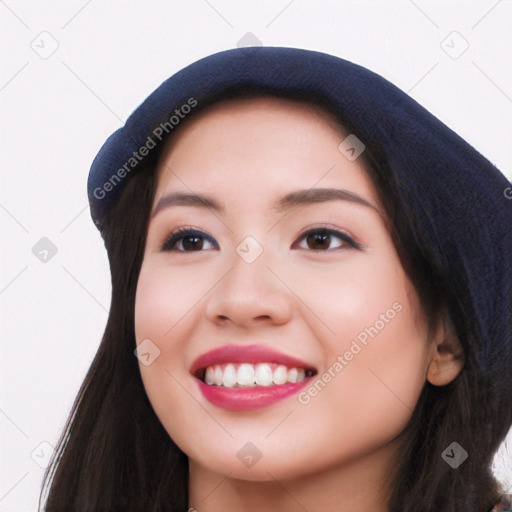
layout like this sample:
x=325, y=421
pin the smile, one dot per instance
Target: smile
x=235, y=375
x=242, y=378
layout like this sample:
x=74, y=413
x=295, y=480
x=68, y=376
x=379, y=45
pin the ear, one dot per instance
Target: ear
x=447, y=355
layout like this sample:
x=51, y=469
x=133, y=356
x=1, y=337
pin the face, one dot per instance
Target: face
x=281, y=333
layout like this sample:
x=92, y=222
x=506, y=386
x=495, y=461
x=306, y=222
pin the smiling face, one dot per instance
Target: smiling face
x=265, y=268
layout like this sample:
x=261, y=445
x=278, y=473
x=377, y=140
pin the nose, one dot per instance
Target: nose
x=249, y=294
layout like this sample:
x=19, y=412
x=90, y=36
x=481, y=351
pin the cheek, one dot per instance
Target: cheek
x=376, y=348
x=165, y=295
x=352, y=295
x=152, y=301
x=161, y=305
x=163, y=302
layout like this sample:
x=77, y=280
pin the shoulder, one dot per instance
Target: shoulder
x=504, y=504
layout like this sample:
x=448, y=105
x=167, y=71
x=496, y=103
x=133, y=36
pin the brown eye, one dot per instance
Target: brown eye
x=322, y=240
x=188, y=240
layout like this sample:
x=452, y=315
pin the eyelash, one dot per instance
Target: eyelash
x=181, y=233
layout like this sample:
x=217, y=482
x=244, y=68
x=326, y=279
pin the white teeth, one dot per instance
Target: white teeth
x=296, y=374
x=217, y=378
x=250, y=375
x=263, y=374
x=292, y=375
x=229, y=377
x=209, y=376
x=245, y=375
x=280, y=374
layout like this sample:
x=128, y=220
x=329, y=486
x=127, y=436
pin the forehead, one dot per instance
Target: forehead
x=236, y=112
x=258, y=143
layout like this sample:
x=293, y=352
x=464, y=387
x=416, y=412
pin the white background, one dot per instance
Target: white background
x=57, y=111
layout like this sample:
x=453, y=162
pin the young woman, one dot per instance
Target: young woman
x=311, y=301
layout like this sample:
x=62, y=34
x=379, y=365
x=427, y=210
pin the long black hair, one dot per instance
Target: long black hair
x=114, y=454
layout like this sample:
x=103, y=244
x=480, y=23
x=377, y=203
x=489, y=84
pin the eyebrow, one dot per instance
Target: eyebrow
x=293, y=199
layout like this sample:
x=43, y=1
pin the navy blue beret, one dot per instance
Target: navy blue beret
x=461, y=203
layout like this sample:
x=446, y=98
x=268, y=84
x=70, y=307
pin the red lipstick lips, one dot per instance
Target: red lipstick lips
x=235, y=397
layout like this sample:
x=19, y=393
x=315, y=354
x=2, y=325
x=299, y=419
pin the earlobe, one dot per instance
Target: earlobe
x=447, y=359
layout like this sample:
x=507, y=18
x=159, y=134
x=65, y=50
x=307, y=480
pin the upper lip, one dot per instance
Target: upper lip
x=247, y=354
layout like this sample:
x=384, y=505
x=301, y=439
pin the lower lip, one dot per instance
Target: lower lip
x=244, y=399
